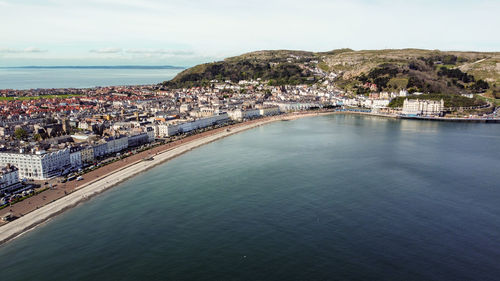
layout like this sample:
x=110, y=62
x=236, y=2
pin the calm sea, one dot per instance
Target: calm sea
x=83, y=77
x=323, y=198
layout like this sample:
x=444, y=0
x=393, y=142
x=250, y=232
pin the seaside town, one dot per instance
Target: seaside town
x=249, y=140
x=54, y=136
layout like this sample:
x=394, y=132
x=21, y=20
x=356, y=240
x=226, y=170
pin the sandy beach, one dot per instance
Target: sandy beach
x=41, y=207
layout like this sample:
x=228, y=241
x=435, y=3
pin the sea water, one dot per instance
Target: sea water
x=338, y=197
x=83, y=77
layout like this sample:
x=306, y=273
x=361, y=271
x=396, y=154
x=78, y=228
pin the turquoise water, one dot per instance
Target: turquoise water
x=323, y=198
x=31, y=78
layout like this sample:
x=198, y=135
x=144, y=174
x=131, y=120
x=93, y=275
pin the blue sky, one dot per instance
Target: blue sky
x=176, y=32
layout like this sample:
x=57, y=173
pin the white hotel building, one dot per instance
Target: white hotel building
x=268, y=111
x=240, y=114
x=422, y=107
x=40, y=165
x=177, y=126
x=292, y=106
x=116, y=144
x=9, y=178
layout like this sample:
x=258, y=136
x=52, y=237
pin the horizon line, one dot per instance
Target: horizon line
x=94, y=67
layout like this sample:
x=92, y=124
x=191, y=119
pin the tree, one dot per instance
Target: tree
x=20, y=133
x=480, y=86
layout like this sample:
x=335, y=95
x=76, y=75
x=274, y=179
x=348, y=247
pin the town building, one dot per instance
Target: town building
x=40, y=165
x=100, y=149
x=240, y=114
x=268, y=111
x=75, y=157
x=175, y=127
x=293, y=106
x=422, y=107
x=375, y=103
x=166, y=130
x=9, y=179
x=185, y=108
x=116, y=144
x=87, y=154
x=138, y=139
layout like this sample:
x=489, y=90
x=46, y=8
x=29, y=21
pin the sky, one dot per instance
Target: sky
x=188, y=32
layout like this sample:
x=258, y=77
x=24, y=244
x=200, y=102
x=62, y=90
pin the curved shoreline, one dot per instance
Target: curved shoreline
x=96, y=186
x=32, y=219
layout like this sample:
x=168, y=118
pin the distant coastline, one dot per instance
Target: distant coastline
x=81, y=77
x=94, y=67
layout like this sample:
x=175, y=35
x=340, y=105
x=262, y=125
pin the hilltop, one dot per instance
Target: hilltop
x=358, y=72
x=279, y=67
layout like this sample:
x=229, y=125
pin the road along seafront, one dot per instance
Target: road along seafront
x=84, y=192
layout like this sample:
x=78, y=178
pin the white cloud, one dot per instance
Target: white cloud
x=107, y=51
x=20, y=51
x=143, y=52
x=160, y=52
x=185, y=30
x=34, y=50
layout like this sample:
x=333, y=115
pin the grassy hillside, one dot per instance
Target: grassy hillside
x=279, y=67
x=428, y=71
x=419, y=67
